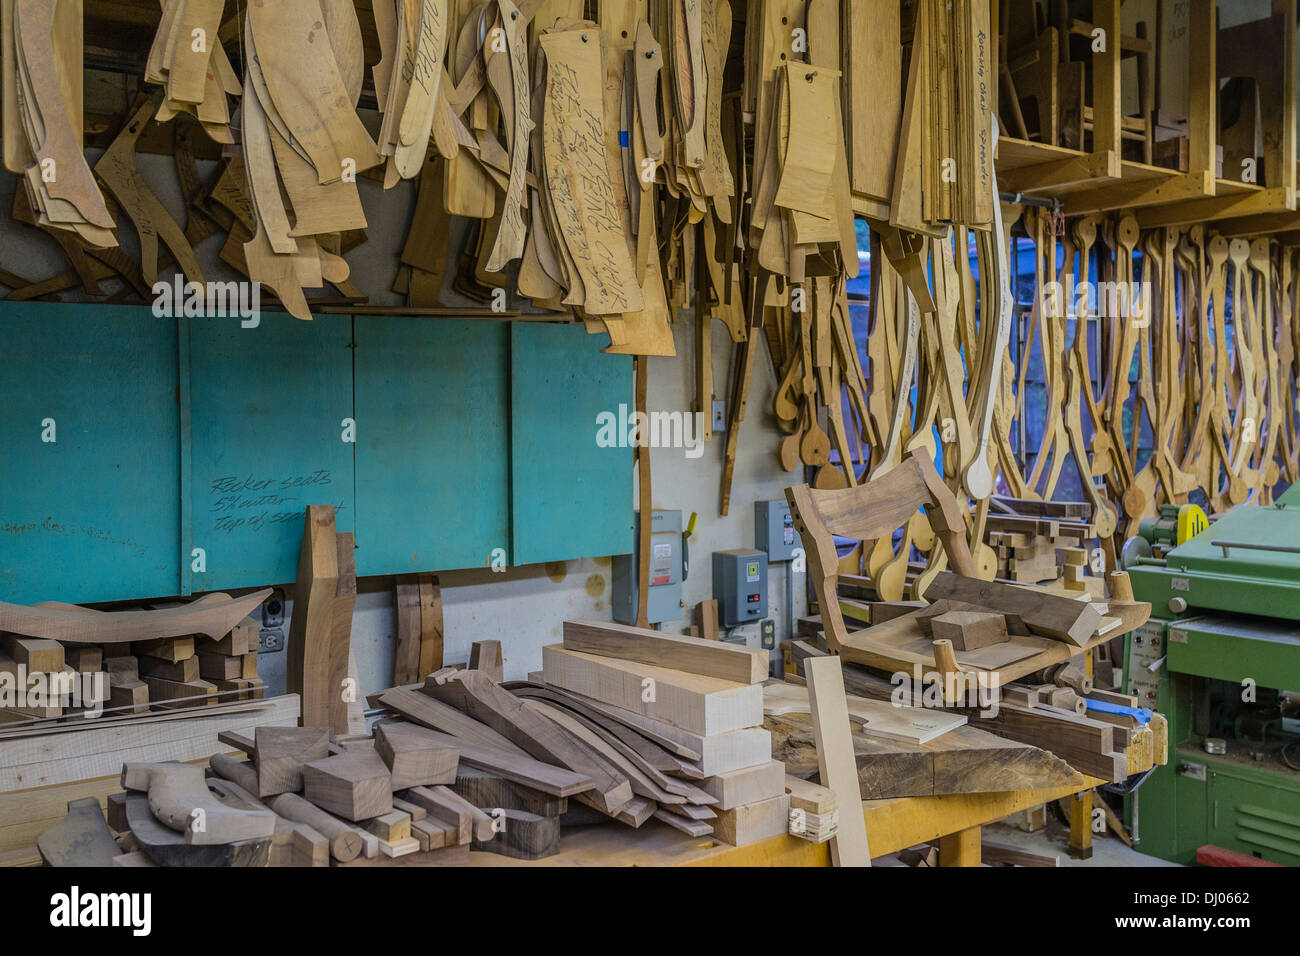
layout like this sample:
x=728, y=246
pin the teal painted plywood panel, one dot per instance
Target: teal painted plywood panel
x=94, y=516
x=432, y=443
x=571, y=498
x=267, y=406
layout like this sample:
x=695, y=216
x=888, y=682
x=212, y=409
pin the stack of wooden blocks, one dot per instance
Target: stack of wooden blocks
x=814, y=810
x=75, y=663
x=1025, y=558
x=702, y=694
x=126, y=678
x=188, y=671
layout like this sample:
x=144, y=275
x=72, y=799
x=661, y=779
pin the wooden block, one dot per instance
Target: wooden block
x=751, y=822
x=810, y=797
x=414, y=756
x=747, y=785
x=281, y=752
x=245, y=638
x=706, y=621
x=1076, y=557
x=311, y=627
x=521, y=836
x=1051, y=615
x=486, y=656
x=37, y=654
x=126, y=665
x=835, y=758
x=414, y=811
x=400, y=847
x=706, y=658
x=168, y=648
x=488, y=790
x=969, y=630
x=393, y=826
x=239, y=742
x=700, y=705
x=310, y=848
x=257, y=688
x=237, y=689
x=180, y=693
x=128, y=692
x=184, y=670
x=248, y=669
x=84, y=658
x=115, y=813
x=450, y=808
x=218, y=667
x=354, y=785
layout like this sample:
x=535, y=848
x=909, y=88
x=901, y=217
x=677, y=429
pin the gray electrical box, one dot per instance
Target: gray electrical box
x=774, y=530
x=740, y=585
x=665, y=600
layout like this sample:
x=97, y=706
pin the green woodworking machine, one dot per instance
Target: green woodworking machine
x=1220, y=657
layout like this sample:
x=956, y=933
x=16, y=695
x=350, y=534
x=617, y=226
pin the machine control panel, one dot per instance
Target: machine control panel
x=1146, y=649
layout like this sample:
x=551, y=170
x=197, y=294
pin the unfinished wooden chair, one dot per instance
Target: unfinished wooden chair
x=866, y=513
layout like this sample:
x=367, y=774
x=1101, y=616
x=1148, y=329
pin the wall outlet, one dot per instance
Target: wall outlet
x=272, y=641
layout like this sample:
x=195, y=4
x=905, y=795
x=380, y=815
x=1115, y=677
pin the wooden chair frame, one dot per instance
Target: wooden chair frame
x=868, y=512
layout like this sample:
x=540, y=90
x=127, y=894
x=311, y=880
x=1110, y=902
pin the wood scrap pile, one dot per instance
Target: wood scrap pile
x=46, y=766
x=967, y=650
x=1027, y=534
x=630, y=723
x=300, y=801
x=60, y=660
x=42, y=80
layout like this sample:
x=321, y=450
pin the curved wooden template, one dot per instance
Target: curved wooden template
x=213, y=614
x=180, y=800
x=307, y=89
x=73, y=182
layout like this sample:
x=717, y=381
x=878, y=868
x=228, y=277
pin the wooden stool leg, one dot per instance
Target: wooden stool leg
x=961, y=848
x=1081, y=825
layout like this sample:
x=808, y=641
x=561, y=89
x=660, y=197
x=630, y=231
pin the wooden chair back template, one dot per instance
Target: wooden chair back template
x=866, y=513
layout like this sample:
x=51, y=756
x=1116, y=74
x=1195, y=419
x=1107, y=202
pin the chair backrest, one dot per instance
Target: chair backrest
x=870, y=511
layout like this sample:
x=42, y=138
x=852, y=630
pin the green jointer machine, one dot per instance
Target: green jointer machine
x=1220, y=658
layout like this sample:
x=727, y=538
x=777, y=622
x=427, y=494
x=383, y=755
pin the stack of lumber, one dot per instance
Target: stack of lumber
x=1027, y=534
x=630, y=723
x=814, y=810
x=704, y=695
x=45, y=767
x=57, y=660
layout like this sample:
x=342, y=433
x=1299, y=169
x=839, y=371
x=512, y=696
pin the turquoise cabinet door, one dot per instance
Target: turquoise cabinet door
x=432, y=398
x=570, y=497
x=95, y=514
x=266, y=436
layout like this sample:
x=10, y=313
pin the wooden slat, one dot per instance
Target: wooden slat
x=835, y=759
x=708, y=658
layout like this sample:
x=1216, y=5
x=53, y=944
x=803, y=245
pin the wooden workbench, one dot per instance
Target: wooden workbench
x=892, y=825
